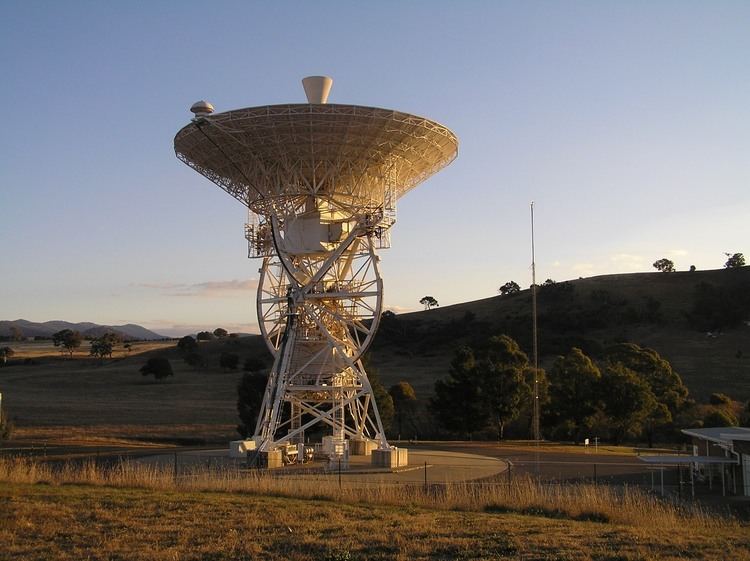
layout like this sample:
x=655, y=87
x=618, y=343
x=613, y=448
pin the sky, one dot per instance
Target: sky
x=627, y=124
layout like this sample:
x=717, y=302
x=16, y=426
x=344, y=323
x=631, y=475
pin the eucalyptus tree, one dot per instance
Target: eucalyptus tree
x=574, y=392
x=503, y=381
x=429, y=302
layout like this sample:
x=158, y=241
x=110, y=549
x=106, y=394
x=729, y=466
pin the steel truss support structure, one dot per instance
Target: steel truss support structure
x=318, y=313
x=320, y=182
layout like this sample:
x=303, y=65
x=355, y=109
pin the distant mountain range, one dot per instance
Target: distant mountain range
x=87, y=329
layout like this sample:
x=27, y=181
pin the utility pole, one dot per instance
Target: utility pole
x=537, y=436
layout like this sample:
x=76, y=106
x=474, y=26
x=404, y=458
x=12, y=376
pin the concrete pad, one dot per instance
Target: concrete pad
x=440, y=466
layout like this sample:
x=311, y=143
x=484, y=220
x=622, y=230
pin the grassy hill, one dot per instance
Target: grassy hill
x=657, y=310
x=669, y=312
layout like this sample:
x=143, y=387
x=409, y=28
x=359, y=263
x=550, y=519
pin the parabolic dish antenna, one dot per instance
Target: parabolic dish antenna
x=320, y=182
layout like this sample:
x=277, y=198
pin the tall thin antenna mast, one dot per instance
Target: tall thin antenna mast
x=534, y=331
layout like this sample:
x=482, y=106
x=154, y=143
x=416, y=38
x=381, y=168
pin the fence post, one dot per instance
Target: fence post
x=425, y=478
x=175, y=467
x=661, y=475
x=692, y=483
x=594, y=474
x=339, y=473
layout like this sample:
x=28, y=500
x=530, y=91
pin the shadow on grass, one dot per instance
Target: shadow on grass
x=556, y=513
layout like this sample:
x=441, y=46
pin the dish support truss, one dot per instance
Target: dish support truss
x=320, y=182
x=318, y=312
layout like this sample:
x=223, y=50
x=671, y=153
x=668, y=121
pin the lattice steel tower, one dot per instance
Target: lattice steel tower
x=320, y=182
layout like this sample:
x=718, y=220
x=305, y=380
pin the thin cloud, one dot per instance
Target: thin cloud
x=160, y=285
x=628, y=262
x=218, y=289
x=209, y=289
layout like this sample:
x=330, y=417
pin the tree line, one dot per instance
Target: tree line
x=734, y=261
x=628, y=393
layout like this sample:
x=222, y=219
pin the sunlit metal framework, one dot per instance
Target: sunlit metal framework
x=320, y=182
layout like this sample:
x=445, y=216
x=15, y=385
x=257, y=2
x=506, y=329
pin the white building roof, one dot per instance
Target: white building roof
x=721, y=435
x=677, y=460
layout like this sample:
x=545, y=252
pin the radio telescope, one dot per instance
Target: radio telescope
x=320, y=182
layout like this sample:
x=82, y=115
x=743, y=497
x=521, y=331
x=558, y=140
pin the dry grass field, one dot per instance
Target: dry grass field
x=137, y=512
x=36, y=350
x=110, y=399
x=52, y=397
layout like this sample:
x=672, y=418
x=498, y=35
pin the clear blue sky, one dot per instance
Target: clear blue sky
x=627, y=122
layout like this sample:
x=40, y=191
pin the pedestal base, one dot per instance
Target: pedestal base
x=240, y=448
x=393, y=458
x=362, y=447
x=271, y=459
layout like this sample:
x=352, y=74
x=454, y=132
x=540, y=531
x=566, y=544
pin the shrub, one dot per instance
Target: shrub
x=719, y=307
x=510, y=287
x=195, y=360
x=254, y=364
x=719, y=399
x=745, y=420
x=158, y=366
x=6, y=427
x=720, y=418
x=664, y=265
x=187, y=344
x=229, y=360
x=5, y=354
x=734, y=261
x=250, y=393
